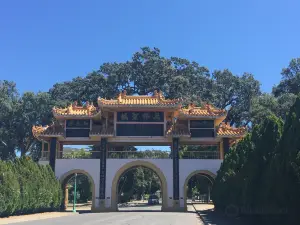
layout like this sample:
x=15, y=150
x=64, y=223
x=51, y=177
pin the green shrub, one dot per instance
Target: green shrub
x=27, y=187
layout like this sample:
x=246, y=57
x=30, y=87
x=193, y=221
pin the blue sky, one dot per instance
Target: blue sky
x=44, y=42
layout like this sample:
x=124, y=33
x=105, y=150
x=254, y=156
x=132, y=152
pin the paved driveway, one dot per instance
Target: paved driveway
x=146, y=208
x=122, y=218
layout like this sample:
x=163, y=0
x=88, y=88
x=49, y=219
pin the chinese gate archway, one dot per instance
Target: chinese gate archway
x=138, y=120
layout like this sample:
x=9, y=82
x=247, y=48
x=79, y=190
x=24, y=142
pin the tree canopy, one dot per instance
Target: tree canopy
x=147, y=71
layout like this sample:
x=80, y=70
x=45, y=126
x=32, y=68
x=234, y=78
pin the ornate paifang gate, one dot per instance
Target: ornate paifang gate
x=136, y=120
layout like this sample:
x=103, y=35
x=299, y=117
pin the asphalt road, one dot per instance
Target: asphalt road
x=141, y=208
x=123, y=218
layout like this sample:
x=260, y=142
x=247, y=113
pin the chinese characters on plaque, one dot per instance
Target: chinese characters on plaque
x=78, y=124
x=140, y=117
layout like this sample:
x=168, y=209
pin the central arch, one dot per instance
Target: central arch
x=207, y=174
x=130, y=165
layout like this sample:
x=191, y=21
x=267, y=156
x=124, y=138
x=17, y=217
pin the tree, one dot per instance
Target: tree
x=288, y=162
x=290, y=81
x=263, y=106
x=84, y=188
x=148, y=71
x=195, y=191
x=285, y=102
x=8, y=99
x=266, y=105
x=138, y=182
x=241, y=179
x=31, y=109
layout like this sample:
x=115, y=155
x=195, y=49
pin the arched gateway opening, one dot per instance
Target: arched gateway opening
x=85, y=190
x=198, y=186
x=115, y=198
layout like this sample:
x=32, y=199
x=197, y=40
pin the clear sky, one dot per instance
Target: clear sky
x=44, y=42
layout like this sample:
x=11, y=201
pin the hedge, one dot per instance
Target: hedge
x=260, y=176
x=27, y=187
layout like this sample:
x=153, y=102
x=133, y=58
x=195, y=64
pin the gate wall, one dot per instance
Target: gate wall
x=92, y=167
x=188, y=166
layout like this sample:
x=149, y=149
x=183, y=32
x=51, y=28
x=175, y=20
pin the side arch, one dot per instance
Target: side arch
x=130, y=165
x=68, y=175
x=209, y=175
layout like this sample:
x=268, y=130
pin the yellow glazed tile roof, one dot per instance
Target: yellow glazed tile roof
x=205, y=111
x=74, y=110
x=52, y=130
x=157, y=100
x=224, y=130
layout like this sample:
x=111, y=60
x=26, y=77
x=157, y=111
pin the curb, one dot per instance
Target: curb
x=201, y=217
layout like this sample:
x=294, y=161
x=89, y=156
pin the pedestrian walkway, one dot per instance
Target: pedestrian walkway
x=36, y=216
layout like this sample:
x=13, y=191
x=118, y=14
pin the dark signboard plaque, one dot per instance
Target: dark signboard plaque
x=140, y=130
x=202, y=133
x=202, y=124
x=140, y=117
x=77, y=132
x=78, y=124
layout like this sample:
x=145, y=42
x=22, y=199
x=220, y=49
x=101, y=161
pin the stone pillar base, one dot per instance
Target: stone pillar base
x=101, y=207
x=175, y=208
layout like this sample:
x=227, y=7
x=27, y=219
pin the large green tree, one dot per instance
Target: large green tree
x=8, y=99
x=290, y=81
x=31, y=109
x=175, y=77
x=17, y=116
x=262, y=172
x=240, y=178
x=288, y=162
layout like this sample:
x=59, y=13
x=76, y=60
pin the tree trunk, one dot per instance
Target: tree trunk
x=23, y=152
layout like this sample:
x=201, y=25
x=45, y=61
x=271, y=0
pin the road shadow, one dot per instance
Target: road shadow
x=212, y=217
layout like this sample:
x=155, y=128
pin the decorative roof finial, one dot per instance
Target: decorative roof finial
x=191, y=107
x=160, y=94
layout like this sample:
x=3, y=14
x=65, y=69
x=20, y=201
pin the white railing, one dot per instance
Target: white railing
x=148, y=154
x=45, y=156
x=78, y=155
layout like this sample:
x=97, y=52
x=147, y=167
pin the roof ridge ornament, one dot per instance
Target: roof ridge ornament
x=191, y=107
x=224, y=126
x=156, y=100
x=208, y=107
x=122, y=95
x=86, y=110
